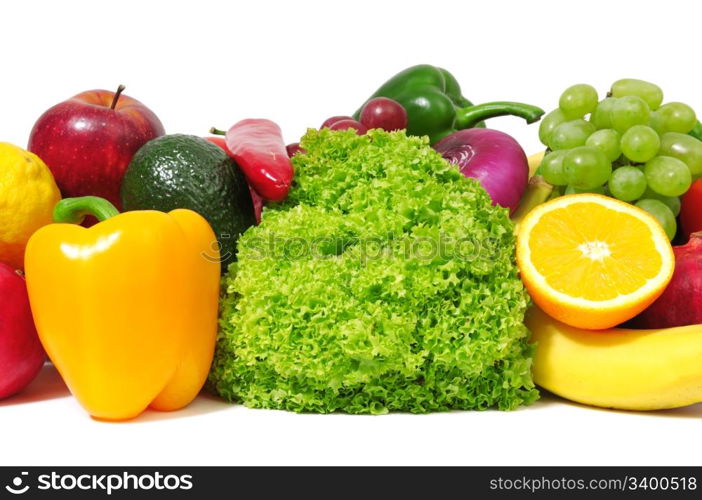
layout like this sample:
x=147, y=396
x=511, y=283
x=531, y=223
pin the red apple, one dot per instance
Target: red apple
x=89, y=140
x=21, y=353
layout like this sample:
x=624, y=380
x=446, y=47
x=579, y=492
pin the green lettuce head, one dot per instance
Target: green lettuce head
x=386, y=282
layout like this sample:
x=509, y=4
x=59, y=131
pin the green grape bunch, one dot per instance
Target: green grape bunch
x=629, y=145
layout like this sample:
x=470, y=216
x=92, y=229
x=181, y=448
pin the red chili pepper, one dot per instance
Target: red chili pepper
x=257, y=146
x=255, y=197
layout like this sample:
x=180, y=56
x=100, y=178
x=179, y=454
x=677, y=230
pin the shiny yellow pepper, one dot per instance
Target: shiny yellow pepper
x=126, y=309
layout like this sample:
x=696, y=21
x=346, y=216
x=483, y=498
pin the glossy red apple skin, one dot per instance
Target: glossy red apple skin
x=21, y=353
x=88, y=145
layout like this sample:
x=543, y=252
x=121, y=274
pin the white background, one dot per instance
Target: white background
x=203, y=63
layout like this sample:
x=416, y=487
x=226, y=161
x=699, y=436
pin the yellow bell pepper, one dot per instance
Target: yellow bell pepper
x=126, y=309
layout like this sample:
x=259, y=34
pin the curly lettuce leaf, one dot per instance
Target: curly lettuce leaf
x=386, y=282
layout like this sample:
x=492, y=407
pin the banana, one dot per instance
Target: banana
x=538, y=191
x=618, y=368
x=534, y=162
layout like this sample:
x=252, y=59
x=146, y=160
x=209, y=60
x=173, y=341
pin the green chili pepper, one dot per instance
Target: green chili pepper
x=435, y=107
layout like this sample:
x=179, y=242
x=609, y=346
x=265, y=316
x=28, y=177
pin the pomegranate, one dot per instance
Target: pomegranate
x=681, y=302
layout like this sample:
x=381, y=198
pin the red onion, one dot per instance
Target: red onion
x=492, y=157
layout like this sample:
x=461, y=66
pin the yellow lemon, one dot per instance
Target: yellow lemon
x=28, y=195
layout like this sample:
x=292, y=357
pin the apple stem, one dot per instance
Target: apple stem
x=120, y=89
x=216, y=131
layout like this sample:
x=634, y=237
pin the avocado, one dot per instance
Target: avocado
x=185, y=171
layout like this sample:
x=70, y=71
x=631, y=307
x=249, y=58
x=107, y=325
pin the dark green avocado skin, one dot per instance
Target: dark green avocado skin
x=186, y=171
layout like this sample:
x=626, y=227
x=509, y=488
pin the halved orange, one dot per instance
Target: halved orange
x=591, y=261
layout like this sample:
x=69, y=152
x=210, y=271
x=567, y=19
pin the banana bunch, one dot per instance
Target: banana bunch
x=535, y=162
x=537, y=191
x=618, y=368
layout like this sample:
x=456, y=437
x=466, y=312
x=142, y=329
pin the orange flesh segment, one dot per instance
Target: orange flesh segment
x=589, y=251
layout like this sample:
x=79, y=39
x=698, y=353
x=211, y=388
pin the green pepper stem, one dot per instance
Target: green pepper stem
x=472, y=115
x=217, y=131
x=74, y=210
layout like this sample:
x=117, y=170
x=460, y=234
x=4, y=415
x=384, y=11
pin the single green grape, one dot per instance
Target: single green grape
x=673, y=117
x=661, y=213
x=627, y=183
x=649, y=92
x=628, y=111
x=552, y=168
x=640, y=143
x=570, y=134
x=683, y=147
x=586, y=167
x=549, y=123
x=667, y=176
x=574, y=190
x=607, y=140
x=601, y=117
x=672, y=202
x=578, y=100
